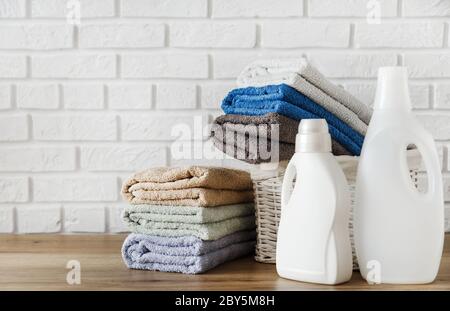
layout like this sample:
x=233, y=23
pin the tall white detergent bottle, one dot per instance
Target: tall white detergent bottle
x=313, y=236
x=399, y=232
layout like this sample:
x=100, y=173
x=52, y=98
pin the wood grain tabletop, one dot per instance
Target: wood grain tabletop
x=38, y=262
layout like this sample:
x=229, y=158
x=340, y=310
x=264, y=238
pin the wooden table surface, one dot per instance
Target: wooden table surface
x=38, y=262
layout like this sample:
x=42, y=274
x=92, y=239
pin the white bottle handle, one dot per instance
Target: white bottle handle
x=431, y=164
x=286, y=187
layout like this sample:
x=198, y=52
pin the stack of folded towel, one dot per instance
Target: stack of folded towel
x=274, y=96
x=188, y=219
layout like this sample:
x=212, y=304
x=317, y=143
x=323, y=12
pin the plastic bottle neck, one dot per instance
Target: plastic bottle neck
x=392, y=89
x=313, y=137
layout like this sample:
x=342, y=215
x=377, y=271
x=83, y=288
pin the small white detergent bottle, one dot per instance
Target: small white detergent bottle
x=399, y=231
x=313, y=242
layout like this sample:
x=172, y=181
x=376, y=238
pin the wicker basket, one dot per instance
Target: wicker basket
x=267, y=186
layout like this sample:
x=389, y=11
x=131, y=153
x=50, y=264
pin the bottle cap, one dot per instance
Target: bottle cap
x=313, y=136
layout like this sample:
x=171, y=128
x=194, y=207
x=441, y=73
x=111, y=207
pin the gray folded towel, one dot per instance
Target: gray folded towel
x=239, y=136
x=186, y=254
x=247, y=149
x=301, y=75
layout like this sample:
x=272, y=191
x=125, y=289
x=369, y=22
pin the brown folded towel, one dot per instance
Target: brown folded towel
x=194, y=186
x=237, y=136
x=287, y=127
x=192, y=197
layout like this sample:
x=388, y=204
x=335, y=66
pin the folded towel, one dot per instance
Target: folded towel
x=184, y=245
x=301, y=75
x=247, y=149
x=169, y=178
x=287, y=127
x=185, y=254
x=238, y=135
x=204, y=231
x=287, y=101
x=193, y=186
x=190, y=197
x=186, y=214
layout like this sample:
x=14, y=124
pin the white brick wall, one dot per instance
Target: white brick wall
x=39, y=218
x=56, y=127
x=79, y=189
x=184, y=98
x=404, y=35
x=121, y=35
x=78, y=218
x=13, y=127
x=76, y=66
x=430, y=8
x=349, y=8
x=13, y=66
x=118, y=158
x=212, y=34
x=77, y=96
x=37, y=96
x=83, y=106
x=37, y=159
x=165, y=65
x=442, y=96
x=164, y=8
x=130, y=96
x=5, y=96
x=58, y=8
x=257, y=8
x=36, y=36
x=296, y=34
x=12, y=8
x=14, y=189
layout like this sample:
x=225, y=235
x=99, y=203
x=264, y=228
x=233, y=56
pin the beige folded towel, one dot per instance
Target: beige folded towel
x=193, y=186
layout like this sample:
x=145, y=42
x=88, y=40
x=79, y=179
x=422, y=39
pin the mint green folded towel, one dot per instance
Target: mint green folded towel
x=204, y=223
x=186, y=214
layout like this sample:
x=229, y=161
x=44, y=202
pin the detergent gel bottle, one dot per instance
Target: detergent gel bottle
x=399, y=231
x=313, y=237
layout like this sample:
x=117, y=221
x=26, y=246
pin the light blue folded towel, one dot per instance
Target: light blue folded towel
x=287, y=101
x=186, y=254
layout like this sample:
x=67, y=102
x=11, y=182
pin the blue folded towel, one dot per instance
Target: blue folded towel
x=186, y=254
x=287, y=101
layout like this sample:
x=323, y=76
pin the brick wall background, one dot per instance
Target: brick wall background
x=83, y=106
